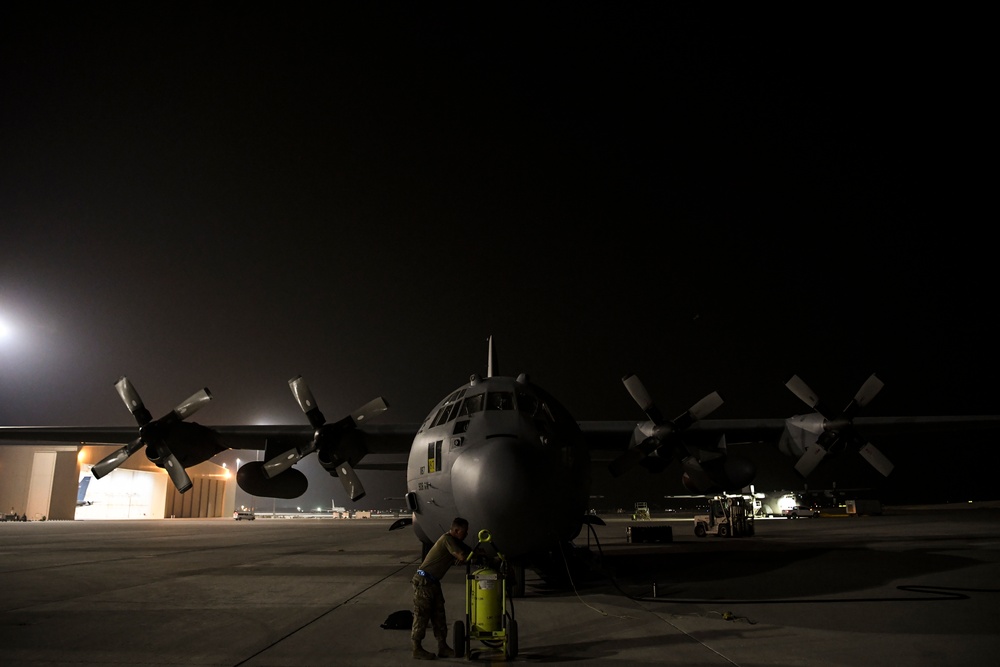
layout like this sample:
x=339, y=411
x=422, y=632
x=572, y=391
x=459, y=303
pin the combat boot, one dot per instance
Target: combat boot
x=445, y=651
x=419, y=653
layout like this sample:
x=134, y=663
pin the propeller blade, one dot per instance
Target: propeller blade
x=194, y=402
x=810, y=459
x=868, y=391
x=118, y=457
x=132, y=401
x=306, y=401
x=178, y=475
x=284, y=461
x=637, y=390
x=351, y=481
x=703, y=407
x=877, y=459
x=372, y=408
x=706, y=406
x=802, y=390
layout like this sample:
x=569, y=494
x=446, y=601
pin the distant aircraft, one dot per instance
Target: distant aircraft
x=498, y=450
x=81, y=493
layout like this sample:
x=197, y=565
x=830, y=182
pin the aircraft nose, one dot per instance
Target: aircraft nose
x=511, y=488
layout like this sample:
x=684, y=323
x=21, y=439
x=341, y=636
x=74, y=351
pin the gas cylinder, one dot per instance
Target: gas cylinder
x=487, y=610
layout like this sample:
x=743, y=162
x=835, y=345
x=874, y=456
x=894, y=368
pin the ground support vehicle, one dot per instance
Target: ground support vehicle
x=641, y=512
x=800, y=511
x=728, y=516
x=489, y=613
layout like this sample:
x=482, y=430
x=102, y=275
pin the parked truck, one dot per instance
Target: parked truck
x=728, y=516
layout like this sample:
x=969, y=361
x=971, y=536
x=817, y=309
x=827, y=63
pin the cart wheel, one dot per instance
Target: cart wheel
x=459, y=639
x=510, y=646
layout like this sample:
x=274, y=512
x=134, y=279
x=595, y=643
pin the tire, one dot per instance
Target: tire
x=515, y=580
x=510, y=646
x=699, y=530
x=459, y=639
x=724, y=530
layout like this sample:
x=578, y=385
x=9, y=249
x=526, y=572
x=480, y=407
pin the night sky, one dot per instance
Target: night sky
x=714, y=199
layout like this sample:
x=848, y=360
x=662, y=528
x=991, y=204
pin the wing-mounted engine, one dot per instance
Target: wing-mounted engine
x=658, y=437
x=657, y=442
x=813, y=437
x=716, y=471
x=339, y=446
x=170, y=443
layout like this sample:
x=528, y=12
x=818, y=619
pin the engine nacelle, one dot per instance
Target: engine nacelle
x=800, y=432
x=347, y=446
x=724, y=474
x=289, y=484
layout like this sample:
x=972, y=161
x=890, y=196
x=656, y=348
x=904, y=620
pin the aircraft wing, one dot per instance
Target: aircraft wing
x=385, y=446
x=380, y=440
x=608, y=438
x=62, y=435
x=703, y=448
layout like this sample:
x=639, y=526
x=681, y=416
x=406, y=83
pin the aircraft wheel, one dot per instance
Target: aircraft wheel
x=459, y=639
x=510, y=647
x=699, y=530
x=724, y=530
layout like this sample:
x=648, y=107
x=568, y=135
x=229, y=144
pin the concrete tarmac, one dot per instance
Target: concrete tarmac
x=914, y=586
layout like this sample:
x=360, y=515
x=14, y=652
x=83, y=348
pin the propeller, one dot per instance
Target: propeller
x=653, y=434
x=327, y=439
x=153, y=434
x=838, y=430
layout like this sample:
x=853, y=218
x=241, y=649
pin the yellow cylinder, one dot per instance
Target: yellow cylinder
x=487, y=611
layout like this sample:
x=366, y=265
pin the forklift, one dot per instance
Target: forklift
x=487, y=618
x=728, y=516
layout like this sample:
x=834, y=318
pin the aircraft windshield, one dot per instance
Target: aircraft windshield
x=471, y=404
x=500, y=400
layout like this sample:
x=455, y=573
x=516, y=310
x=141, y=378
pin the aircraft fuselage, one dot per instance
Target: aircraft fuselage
x=505, y=455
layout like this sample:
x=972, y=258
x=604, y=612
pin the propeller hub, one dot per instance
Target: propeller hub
x=152, y=432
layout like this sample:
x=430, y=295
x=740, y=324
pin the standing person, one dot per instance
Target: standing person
x=428, y=600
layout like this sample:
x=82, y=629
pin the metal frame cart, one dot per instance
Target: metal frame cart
x=487, y=618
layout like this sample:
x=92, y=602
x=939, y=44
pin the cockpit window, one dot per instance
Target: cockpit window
x=527, y=403
x=500, y=400
x=447, y=412
x=471, y=404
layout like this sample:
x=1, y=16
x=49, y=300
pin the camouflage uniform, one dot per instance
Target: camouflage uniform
x=428, y=599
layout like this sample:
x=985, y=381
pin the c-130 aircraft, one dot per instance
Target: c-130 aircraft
x=495, y=450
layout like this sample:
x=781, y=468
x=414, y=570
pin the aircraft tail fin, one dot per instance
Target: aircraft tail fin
x=491, y=363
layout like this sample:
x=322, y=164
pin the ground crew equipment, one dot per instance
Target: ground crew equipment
x=489, y=613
